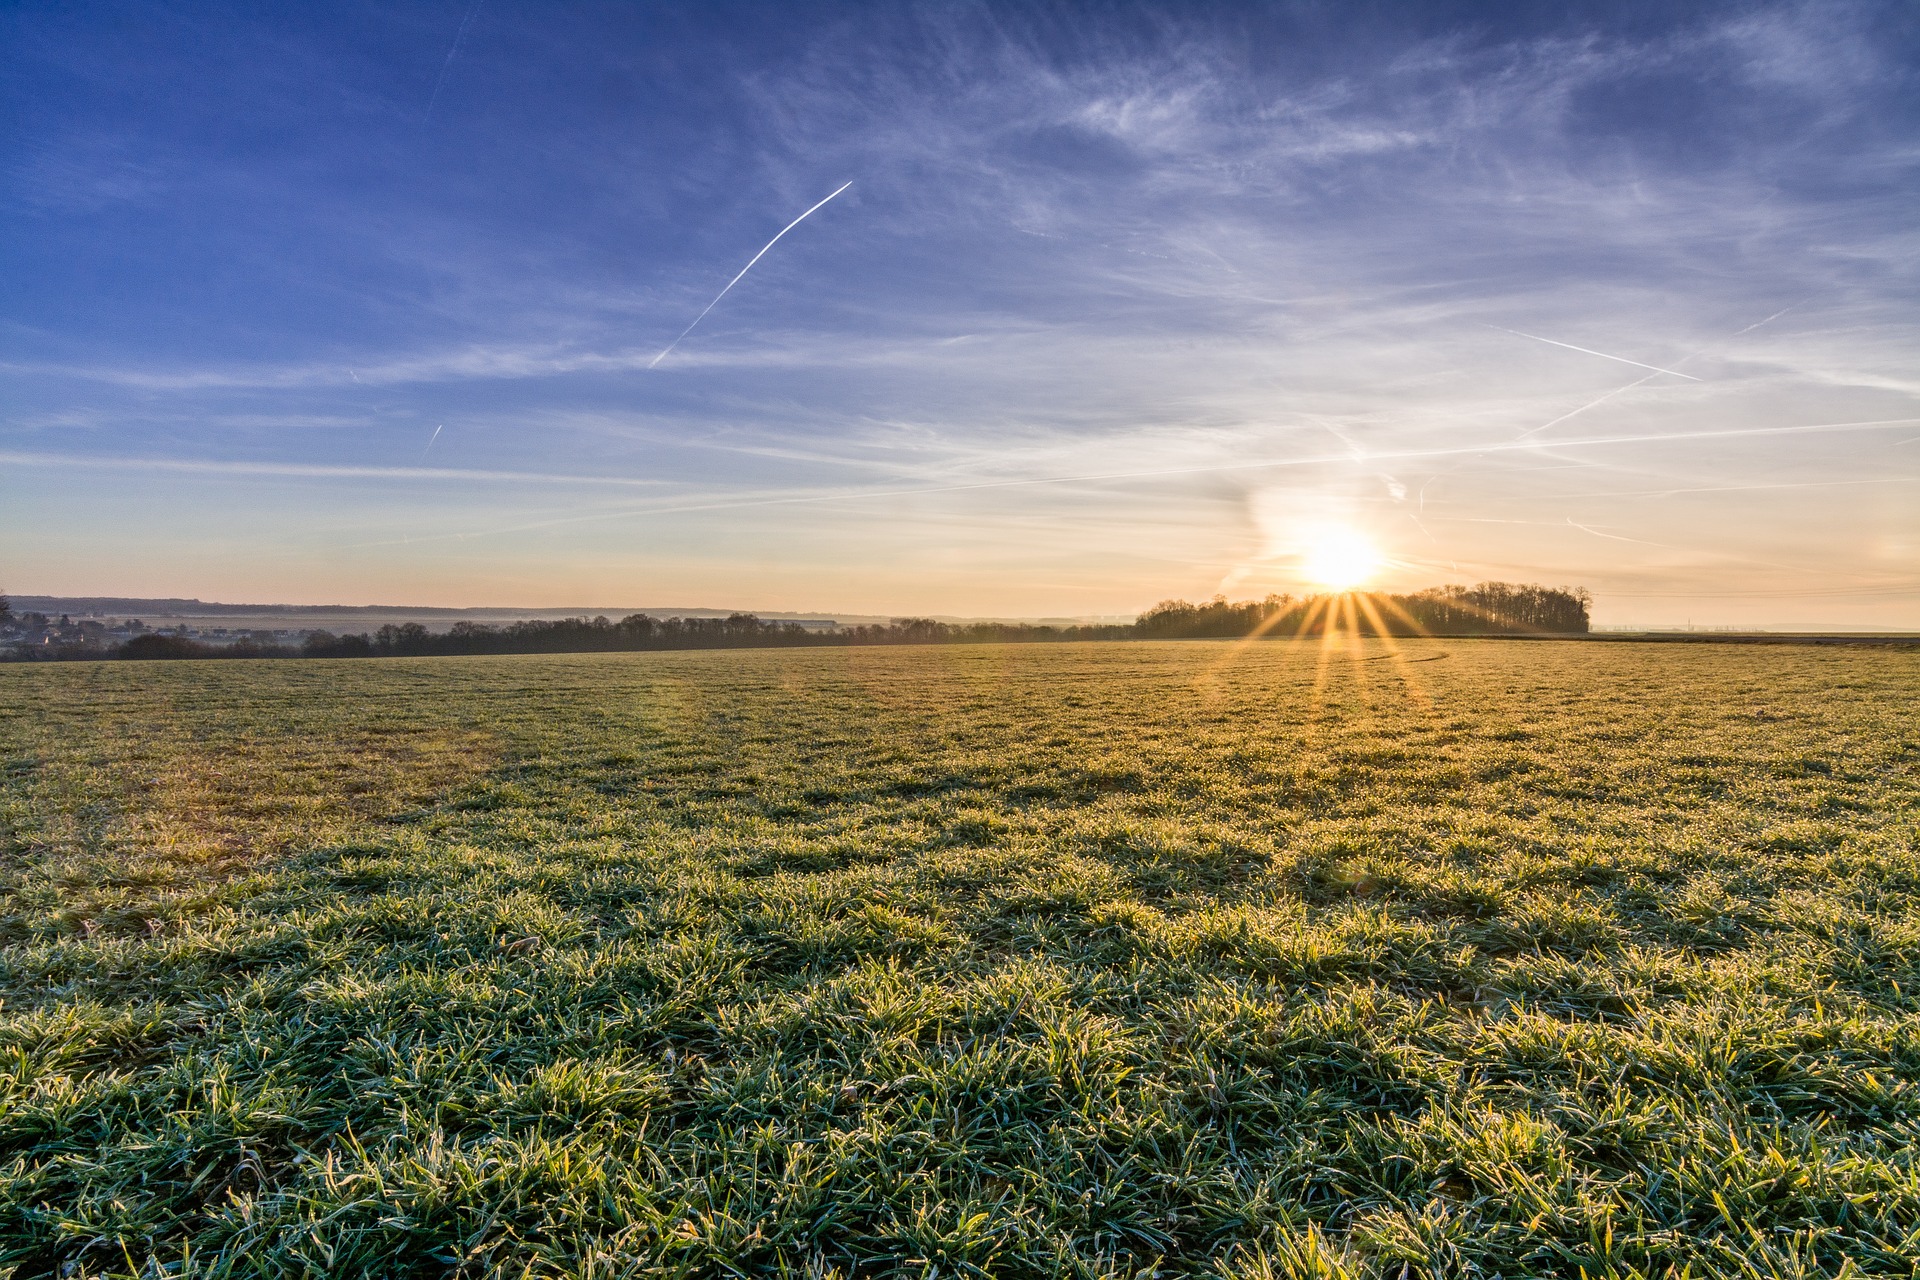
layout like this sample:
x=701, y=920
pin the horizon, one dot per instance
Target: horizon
x=135, y=605
x=975, y=313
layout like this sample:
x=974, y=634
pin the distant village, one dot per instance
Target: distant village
x=37, y=633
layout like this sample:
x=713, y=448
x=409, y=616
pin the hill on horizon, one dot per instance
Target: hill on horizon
x=179, y=607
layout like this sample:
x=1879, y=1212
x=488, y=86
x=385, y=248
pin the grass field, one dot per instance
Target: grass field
x=1513, y=958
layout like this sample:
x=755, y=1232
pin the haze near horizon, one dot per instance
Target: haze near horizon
x=968, y=310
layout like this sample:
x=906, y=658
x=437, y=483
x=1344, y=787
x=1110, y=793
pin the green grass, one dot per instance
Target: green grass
x=1518, y=959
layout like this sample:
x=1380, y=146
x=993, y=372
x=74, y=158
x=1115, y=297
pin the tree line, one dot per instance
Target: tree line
x=1491, y=608
x=601, y=635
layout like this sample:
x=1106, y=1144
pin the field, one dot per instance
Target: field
x=1047, y=960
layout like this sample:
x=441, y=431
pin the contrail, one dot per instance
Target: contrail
x=736, y=280
x=1325, y=459
x=1769, y=320
x=1669, y=546
x=1586, y=528
x=1641, y=381
x=1670, y=490
x=430, y=439
x=1588, y=405
x=1590, y=351
x=458, y=37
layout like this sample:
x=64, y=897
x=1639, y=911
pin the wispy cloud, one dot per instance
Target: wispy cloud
x=1127, y=264
x=311, y=471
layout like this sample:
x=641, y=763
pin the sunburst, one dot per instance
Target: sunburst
x=1340, y=558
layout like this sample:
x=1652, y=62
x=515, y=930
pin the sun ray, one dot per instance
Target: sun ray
x=1372, y=604
x=1323, y=658
x=1504, y=623
x=1354, y=645
x=1392, y=607
x=1267, y=625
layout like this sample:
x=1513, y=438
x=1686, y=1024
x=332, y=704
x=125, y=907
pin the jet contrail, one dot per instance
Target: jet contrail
x=1588, y=405
x=1590, y=351
x=430, y=439
x=458, y=37
x=1642, y=381
x=736, y=280
x=1670, y=490
x=1587, y=528
x=1769, y=320
x=1311, y=460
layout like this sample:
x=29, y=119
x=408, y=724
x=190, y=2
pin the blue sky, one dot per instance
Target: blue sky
x=361, y=304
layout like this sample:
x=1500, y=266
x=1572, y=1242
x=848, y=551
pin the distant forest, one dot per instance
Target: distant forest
x=1490, y=609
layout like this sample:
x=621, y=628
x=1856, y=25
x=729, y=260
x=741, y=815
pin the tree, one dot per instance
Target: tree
x=408, y=638
x=160, y=646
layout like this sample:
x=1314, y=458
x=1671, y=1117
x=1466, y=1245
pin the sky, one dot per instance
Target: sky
x=343, y=303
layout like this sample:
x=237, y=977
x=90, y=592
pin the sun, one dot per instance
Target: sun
x=1339, y=559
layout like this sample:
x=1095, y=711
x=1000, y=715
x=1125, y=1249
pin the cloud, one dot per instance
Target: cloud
x=310, y=471
x=81, y=174
x=1127, y=263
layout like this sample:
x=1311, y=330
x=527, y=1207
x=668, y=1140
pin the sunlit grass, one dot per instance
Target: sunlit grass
x=1307, y=958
